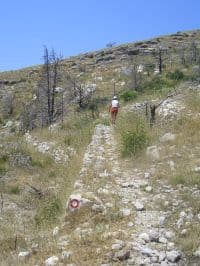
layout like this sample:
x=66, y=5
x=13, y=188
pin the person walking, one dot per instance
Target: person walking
x=113, y=109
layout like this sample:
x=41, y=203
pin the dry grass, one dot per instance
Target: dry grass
x=53, y=181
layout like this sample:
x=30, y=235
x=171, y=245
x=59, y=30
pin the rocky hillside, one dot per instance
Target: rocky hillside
x=106, y=70
x=82, y=191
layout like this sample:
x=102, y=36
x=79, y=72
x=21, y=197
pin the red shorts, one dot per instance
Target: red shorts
x=114, y=110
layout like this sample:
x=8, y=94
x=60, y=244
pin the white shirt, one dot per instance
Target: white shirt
x=115, y=103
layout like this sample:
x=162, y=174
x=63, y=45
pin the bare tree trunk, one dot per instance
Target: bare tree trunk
x=47, y=72
x=2, y=202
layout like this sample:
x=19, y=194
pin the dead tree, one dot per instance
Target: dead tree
x=183, y=55
x=79, y=93
x=47, y=85
x=2, y=203
x=150, y=110
x=135, y=77
x=159, y=56
x=8, y=104
x=194, y=52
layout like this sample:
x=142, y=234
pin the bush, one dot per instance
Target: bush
x=176, y=75
x=48, y=211
x=14, y=190
x=157, y=84
x=128, y=95
x=134, y=141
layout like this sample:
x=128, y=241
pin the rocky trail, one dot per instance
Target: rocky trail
x=138, y=236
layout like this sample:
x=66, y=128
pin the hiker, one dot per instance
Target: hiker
x=113, y=109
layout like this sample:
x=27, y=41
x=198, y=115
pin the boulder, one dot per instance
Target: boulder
x=51, y=261
x=173, y=256
x=153, y=153
x=84, y=199
x=168, y=137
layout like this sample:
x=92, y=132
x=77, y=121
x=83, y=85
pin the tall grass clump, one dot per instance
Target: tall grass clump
x=134, y=134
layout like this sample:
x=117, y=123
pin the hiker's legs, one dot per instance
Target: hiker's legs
x=113, y=113
x=112, y=117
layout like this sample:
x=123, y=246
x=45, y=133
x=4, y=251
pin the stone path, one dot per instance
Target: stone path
x=139, y=237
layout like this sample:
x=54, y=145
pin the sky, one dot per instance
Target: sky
x=72, y=27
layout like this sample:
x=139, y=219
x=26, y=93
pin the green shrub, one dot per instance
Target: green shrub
x=128, y=95
x=134, y=141
x=176, y=75
x=14, y=190
x=185, y=179
x=48, y=211
x=3, y=164
x=157, y=84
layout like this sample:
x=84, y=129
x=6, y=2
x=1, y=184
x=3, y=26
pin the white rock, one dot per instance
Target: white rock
x=117, y=246
x=147, y=175
x=139, y=206
x=148, y=189
x=171, y=165
x=153, y=153
x=51, y=261
x=154, y=235
x=197, y=253
x=180, y=222
x=169, y=234
x=103, y=191
x=173, y=256
x=162, y=240
x=162, y=256
x=66, y=255
x=145, y=237
x=164, y=263
x=126, y=212
x=162, y=220
x=197, y=169
x=109, y=205
x=168, y=137
x=170, y=245
x=23, y=255
x=147, y=251
x=154, y=259
x=55, y=231
x=130, y=224
x=184, y=232
x=78, y=184
x=182, y=214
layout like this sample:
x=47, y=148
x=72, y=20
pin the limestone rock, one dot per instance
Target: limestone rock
x=173, y=256
x=122, y=255
x=66, y=255
x=23, y=255
x=168, y=137
x=83, y=199
x=51, y=261
x=139, y=206
x=145, y=237
x=153, y=152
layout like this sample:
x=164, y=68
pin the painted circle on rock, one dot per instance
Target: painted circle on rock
x=74, y=203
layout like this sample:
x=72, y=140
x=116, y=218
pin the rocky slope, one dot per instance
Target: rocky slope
x=138, y=211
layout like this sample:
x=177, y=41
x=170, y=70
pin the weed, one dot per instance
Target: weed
x=48, y=211
x=134, y=135
x=14, y=190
